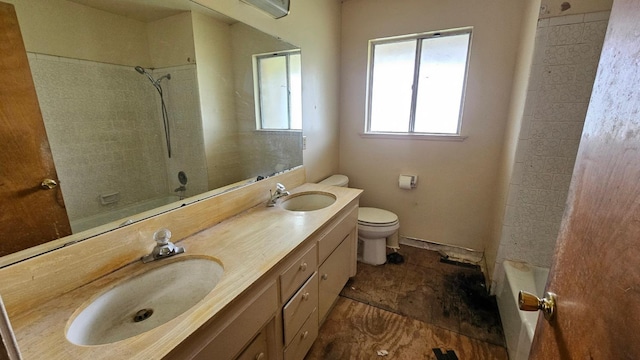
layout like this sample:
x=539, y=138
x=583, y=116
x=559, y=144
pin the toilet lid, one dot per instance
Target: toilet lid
x=375, y=216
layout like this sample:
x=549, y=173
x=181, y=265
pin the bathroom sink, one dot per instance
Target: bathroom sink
x=308, y=201
x=145, y=301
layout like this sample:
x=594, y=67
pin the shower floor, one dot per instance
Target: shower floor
x=410, y=309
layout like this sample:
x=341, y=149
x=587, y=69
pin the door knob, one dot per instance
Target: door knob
x=529, y=302
x=48, y=184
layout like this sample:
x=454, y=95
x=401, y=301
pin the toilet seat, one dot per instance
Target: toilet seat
x=374, y=217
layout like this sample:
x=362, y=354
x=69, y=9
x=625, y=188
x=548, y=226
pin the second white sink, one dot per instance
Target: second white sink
x=308, y=201
x=145, y=301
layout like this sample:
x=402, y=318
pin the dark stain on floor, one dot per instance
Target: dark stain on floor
x=424, y=288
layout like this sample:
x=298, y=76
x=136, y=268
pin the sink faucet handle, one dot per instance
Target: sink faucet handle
x=280, y=187
x=162, y=236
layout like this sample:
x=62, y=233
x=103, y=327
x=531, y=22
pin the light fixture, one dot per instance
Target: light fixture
x=275, y=8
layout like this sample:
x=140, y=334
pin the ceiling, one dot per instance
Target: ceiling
x=149, y=11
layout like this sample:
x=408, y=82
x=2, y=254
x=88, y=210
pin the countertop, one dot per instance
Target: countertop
x=248, y=245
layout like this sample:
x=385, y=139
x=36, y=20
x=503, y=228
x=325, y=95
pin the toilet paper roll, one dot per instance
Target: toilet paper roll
x=405, y=182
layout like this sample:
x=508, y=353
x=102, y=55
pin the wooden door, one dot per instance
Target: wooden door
x=29, y=214
x=596, y=269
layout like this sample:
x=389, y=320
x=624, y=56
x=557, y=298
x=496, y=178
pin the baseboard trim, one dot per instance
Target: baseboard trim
x=455, y=253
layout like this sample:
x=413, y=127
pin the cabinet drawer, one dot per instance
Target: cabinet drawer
x=257, y=350
x=303, y=340
x=298, y=309
x=334, y=236
x=334, y=273
x=297, y=273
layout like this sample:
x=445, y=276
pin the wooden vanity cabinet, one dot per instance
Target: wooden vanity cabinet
x=233, y=331
x=279, y=316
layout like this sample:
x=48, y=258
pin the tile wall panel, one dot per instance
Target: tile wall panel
x=104, y=126
x=566, y=54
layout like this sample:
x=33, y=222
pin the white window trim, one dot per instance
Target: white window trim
x=414, y=136
x=458, y=136
x=256, y=89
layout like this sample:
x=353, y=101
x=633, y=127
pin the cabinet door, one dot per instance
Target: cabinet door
x=334, y=273
x=258, y=349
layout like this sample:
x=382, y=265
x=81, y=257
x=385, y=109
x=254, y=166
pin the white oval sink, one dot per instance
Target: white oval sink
x=145, y=301
x=308, y=201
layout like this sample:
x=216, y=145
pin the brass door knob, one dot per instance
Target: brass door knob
x=48, y=184
x=529, y=302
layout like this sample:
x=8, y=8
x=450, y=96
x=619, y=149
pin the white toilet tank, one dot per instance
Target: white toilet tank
x=336, y=180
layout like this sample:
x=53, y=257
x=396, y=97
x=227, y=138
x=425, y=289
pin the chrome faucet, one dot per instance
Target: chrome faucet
x=280, y=192
x=164, y=248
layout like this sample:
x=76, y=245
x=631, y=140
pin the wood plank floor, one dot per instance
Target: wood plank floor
x=410, y=309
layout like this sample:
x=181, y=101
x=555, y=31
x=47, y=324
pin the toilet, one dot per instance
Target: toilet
x=377, y=228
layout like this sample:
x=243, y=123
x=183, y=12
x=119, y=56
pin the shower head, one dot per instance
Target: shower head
x=155, y=82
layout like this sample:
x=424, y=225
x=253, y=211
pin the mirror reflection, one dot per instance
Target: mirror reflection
x=147, y=104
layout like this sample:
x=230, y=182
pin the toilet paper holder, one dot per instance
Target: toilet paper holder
x=408, y=181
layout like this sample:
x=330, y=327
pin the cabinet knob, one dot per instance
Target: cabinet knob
x=260, y=356
x=325, y=276
x=303, y=266
x=305, y=296
x=304, y=335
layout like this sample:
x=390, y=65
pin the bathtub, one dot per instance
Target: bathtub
x=120, y=215
x=519, y=326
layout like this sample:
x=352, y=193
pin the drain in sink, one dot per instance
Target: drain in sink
x=142, y=315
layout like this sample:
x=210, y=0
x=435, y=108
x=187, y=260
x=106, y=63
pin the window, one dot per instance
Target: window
x=278, y=89
x=416, y=83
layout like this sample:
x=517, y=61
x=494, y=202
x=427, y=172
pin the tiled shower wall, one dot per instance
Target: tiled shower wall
x=567, y=50
x=105, y=131
x=187, y=143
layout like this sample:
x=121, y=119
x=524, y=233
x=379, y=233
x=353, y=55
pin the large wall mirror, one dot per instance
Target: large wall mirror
x=149, y=104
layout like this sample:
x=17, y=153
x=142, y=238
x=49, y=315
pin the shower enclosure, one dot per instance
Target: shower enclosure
x=115, y=136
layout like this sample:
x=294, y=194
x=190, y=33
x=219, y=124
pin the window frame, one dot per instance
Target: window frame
x=257, y=89
x=411, y=134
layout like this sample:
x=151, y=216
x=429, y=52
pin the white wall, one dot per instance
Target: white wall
x=171, y=41
x=215, y=68
x=64, y=28
x=455, y=198
x=314, y=26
